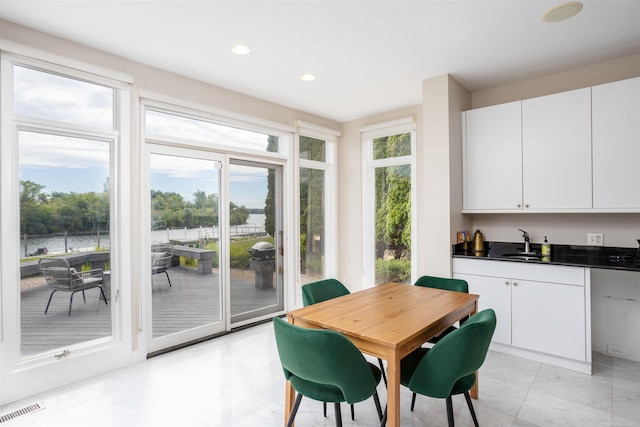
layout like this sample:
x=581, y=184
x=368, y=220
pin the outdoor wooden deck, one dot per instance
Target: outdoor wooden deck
x=191, y=301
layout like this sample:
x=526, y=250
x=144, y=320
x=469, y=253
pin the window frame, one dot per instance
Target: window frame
x=32, y=372
x=369, y=165
x=168, y=105
x=149, y=100
x=330, y=137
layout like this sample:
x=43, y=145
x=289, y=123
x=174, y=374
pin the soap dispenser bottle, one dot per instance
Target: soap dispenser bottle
x=546, y=250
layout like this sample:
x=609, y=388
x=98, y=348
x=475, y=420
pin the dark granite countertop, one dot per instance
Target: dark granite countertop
x=607, y=257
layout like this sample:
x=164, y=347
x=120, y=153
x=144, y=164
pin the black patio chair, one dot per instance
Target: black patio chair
x=161, y=256
x=61, y=277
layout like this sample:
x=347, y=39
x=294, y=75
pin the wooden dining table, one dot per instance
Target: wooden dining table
x=387, y=321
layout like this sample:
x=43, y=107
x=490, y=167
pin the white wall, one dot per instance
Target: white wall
x=440, y=190
x=615, y=312
x=595, y=74
x=567, y=229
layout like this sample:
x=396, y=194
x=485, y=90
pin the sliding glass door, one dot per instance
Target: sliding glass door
x=185, y=285
x=255, y=240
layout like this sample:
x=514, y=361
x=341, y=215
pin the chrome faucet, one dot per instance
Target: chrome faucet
x=527, y=241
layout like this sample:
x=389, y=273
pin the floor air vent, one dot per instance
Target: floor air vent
x=20, y=412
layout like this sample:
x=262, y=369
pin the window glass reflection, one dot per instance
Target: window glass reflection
x=392, y=146
x=172, y=125
x=312, y=149
x=50, y=96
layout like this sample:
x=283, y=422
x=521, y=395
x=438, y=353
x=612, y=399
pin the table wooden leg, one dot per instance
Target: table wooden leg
x=289, y=397
x=474, y=390
x=393, y=389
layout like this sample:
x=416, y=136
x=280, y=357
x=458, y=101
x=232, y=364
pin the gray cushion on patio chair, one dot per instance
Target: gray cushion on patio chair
x=61, y=277
x=161, y=256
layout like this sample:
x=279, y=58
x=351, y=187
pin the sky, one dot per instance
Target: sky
x=67, y=163
x=185, y=176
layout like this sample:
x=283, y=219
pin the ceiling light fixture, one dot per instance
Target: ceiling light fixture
x=562, y=12
x=240, y=49
x=307, y=77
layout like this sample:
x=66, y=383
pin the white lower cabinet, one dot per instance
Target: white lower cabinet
x=495, y=293
x=549, y=318
x=542, y=310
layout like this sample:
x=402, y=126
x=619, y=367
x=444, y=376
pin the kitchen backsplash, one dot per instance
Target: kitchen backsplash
x=619, y=229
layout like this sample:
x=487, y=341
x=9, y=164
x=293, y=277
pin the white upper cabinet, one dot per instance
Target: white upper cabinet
x=556, y=151
x=575, y=151
x=493, y=157
x=616, y=145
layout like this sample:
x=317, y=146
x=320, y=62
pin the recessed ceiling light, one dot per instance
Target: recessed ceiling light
x=307, y=77
x=240, y=49
x=562, y=12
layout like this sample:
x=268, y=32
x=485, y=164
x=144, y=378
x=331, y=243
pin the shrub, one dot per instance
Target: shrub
x=393, y=270
x=188, y=262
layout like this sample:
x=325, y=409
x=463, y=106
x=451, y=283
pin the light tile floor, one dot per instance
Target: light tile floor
x=236, y=380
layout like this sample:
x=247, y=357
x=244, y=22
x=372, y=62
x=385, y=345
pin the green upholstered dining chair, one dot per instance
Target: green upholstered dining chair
x=323, y=290
x=324, y=365
x=446, y=284
x=326, y=289
x=448, y=368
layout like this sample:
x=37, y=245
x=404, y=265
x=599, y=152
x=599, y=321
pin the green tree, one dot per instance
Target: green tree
x=269, y=202
x=34, y=209
x=59, y=212
x=398, y=220
x=200, y=199
x=238, y=215
x=393, y=197
x=167, y=209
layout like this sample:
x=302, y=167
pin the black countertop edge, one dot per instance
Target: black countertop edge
x=607, y=257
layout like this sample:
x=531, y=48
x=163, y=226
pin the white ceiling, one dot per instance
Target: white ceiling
x=368, y=56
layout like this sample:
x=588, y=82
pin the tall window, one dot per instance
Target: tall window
x=65, y=131
x=316, y=191
x=388, y=201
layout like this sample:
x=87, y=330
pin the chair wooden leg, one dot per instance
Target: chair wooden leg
x=84, y=298
x=336, y=407
x=413, y=401
x=353, y=413
x=294, y=410
x=168, y=278
x=324, y=409
x=383, y=422
x=450, y=412
x=50, y=296
x=473, y=413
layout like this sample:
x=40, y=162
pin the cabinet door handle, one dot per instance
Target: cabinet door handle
x=506, y=282
x=515, y=283
x=518, y=205
x=526, y=205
